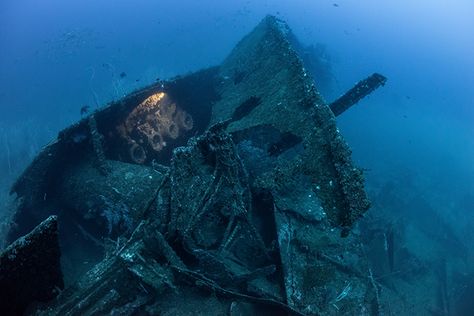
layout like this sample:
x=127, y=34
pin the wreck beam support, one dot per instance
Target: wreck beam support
x=358, y=92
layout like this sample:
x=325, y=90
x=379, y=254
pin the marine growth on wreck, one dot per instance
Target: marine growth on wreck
x=229, y=191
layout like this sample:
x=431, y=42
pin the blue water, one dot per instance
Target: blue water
x=416, y=133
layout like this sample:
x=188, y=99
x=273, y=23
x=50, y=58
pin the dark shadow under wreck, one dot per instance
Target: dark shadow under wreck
x=225, y=192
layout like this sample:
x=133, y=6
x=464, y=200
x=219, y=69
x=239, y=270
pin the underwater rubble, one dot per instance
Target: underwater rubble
x=229, y=191
x=30, y=269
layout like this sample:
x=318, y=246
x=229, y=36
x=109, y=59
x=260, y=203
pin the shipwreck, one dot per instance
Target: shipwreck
x=229, y=191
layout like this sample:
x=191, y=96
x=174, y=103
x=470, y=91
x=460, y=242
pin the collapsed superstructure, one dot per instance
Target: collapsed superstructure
x=229, y=191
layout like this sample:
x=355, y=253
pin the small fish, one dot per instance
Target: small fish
x=85, y=109
x=335, y=5
x=123, y=74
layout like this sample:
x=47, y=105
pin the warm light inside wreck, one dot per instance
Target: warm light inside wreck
x=156, y=120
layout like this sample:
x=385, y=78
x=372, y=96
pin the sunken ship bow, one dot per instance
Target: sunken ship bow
x=229, y=191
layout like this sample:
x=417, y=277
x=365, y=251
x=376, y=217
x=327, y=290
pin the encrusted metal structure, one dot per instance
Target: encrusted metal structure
x=229, y=191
